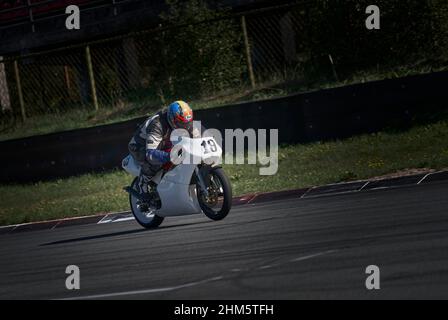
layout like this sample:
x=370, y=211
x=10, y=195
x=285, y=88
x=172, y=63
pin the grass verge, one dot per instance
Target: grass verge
x=306, y=165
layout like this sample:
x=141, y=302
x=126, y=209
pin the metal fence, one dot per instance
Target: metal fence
x=146, y=69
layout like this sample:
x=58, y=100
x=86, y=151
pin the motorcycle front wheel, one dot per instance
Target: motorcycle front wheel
x=217, y=204
x=144, y=215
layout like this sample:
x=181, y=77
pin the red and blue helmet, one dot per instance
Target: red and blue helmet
x=180, y=115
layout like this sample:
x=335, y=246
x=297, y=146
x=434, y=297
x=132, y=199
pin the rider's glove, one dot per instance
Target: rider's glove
x=167, y=166
x=155, y=156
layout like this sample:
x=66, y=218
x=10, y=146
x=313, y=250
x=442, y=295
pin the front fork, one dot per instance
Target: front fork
x=201, y=181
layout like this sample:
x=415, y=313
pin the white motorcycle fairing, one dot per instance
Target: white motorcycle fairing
x=178, y=197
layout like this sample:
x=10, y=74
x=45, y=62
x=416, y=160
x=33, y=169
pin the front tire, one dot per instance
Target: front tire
x=146, y=218
x=220, y=191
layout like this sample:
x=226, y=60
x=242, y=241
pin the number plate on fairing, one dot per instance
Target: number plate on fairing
x=198, y=150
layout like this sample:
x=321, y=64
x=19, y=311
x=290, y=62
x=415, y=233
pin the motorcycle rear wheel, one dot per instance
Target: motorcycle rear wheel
x=147, y=219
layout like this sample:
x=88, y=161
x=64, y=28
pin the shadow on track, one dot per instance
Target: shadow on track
x=114, y=234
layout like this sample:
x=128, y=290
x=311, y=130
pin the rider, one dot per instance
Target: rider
x=151, y=142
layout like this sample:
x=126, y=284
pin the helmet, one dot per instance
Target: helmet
x=180, y=115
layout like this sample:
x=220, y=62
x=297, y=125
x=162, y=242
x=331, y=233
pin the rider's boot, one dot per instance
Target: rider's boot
x=144, y=184
x=146, y=188
x=143, y=189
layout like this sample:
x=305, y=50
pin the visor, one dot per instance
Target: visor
x=185, y=125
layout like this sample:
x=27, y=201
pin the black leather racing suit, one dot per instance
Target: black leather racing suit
x=153, y=134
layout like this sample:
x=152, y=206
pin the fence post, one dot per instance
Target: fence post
x=333, y=68
x=19, y=90
x=30, y=15
x=91, y=78
x=248, y=55
x=5, y=101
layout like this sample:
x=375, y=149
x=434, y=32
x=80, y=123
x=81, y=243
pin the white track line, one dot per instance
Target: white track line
x=303, y=195
x=365, y=185
x=112, y=217
x=154, y=290
x=103, y=219
x=251, y=199
x=330, y=194
x=312, y=256
x=268, y=266
x=187, y=285
x=381, y=188
x=124, y=219
x=116, y=220
x=265, y=267
x=421, y=180
x=56, y=224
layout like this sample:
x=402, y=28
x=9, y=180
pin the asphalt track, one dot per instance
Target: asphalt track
x=311, y=248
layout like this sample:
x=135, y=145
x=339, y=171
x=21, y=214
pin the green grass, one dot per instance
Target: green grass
x=355, y=158
x=75, y=119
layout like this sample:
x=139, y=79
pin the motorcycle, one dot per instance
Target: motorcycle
x=190, y=187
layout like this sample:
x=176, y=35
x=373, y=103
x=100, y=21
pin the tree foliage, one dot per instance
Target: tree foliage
x=198, y=58
x=411, y=31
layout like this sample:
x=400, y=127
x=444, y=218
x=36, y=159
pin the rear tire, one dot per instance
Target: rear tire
x=149, y=219
x=226, y=193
